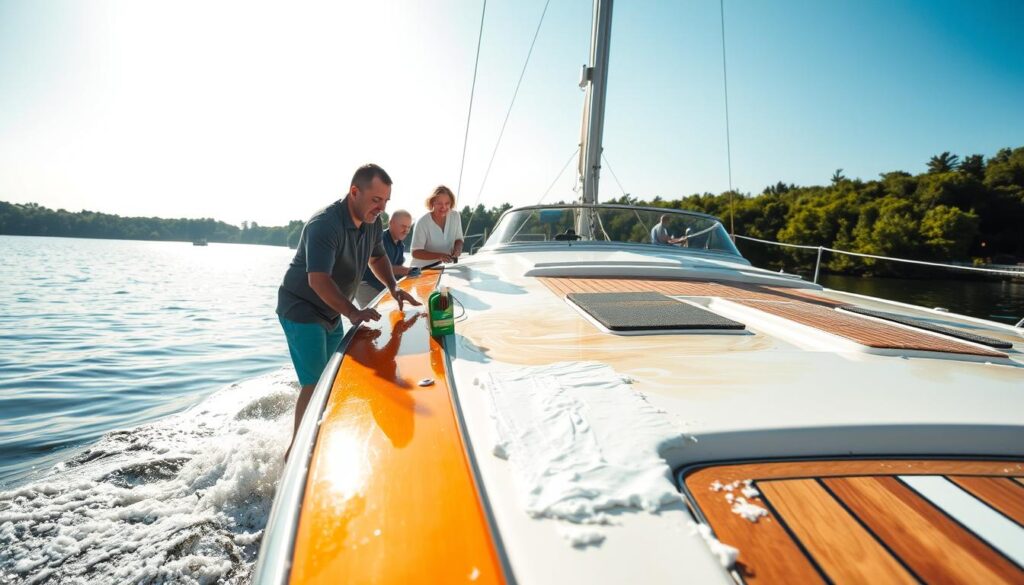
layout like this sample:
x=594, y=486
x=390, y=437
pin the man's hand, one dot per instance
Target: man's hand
x=401, y=296
x=357, y=317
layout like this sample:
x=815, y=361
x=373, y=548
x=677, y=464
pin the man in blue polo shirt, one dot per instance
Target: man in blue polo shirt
x=394, y=246
x=335, y=248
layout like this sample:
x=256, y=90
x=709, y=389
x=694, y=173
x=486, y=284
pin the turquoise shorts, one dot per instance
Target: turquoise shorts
x=311, y=347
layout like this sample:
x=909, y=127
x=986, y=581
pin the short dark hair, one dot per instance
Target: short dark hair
x=365, y=174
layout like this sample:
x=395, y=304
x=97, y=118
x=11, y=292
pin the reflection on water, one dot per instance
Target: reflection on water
x=996, y=300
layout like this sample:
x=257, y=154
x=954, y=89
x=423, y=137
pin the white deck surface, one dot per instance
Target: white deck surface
x=782, y=390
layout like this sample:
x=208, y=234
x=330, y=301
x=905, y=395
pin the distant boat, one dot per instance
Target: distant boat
x=199, y=242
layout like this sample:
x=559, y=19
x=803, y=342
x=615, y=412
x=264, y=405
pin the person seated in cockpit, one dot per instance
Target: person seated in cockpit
x=660, y=235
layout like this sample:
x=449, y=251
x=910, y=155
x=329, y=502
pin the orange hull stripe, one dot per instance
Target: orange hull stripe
x=390, y=496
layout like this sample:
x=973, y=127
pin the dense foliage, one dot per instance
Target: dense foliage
x=969, y=209
x=33, y=220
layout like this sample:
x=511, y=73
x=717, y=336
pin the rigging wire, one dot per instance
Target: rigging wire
x=472, y=90
x=728, y=141
x=614, y=176
x=560, y=173
x=507, y=114
x=623, y=189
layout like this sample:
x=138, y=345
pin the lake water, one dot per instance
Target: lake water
x=146, y=401
x=996, y=300
x=145, y=404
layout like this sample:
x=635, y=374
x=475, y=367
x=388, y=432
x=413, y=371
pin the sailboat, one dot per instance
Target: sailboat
x=614, y=409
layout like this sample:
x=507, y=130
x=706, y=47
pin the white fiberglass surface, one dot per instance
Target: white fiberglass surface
x=991, y=526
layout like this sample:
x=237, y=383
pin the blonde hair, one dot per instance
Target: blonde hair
x=438, y=191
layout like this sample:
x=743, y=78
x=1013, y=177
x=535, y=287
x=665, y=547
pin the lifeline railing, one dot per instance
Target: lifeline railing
x=817, y=264
x=480, y=239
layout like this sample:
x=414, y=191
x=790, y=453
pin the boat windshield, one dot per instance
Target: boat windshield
x=611, y=223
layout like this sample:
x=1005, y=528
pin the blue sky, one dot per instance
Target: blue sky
x=259, y=111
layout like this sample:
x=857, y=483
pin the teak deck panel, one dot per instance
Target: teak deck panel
x=1003, y=494
x=796, y=305
x=865, y=331
x=934, y=546
x=854, y=521
x=831, y=535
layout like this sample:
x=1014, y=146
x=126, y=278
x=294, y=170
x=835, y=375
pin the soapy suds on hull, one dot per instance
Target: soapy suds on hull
x=182, y=500
x=750, y=512
x=582, y=442
x=725, y=554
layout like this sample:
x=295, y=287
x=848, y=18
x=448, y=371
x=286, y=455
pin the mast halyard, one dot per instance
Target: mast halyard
x=595, y=80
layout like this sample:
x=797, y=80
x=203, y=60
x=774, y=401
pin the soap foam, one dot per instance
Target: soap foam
x=582, y=442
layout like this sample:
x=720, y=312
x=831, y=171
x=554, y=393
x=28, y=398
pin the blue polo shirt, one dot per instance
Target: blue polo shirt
x=395, y=252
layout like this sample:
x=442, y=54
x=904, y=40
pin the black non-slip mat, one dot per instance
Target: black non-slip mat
x=641, y=311
x=957, y=333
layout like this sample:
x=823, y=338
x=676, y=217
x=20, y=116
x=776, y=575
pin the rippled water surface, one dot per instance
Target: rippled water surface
x=145, y=404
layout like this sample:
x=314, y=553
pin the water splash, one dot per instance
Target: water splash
x=182, y=500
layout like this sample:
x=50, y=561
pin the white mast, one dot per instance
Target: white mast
x=595, y=80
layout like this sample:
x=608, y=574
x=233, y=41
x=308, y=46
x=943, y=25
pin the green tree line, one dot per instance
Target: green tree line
x=969, y=209
x=30, y=219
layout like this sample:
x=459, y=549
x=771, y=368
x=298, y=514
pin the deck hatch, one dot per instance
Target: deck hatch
x=643, y=311
x=870, y=521
x=934, y=328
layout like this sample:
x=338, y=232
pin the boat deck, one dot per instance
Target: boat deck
x=796, y=305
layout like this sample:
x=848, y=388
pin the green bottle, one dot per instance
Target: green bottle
x=442, y=319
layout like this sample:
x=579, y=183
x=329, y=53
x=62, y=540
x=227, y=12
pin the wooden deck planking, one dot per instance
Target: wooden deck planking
x=941, y=550
x=866, y=331
x=1003, y=494
x=793, y=304
x=562, y=286
x=806, y=469
x=935, y=547
x=844, y=549
x=767, y=554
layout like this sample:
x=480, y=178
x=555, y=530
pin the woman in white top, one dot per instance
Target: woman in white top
x=438, y=234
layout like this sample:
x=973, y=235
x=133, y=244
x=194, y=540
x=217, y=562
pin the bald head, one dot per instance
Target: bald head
x=399, y=224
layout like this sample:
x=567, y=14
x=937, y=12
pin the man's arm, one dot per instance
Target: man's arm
x=330, y=294
x=422, y=254
x=381, y=268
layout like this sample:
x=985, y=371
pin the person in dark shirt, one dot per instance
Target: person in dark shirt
x=335, y=248
x=394, y=246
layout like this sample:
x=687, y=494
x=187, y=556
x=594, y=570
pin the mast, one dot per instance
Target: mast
x=594, y=79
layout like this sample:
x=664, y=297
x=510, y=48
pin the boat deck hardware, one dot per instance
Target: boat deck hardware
x=637, y=311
